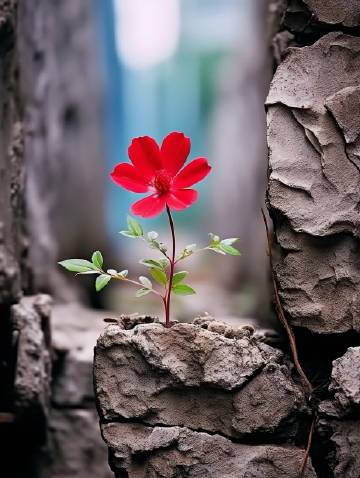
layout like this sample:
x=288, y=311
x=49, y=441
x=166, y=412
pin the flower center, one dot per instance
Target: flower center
x=162, y=181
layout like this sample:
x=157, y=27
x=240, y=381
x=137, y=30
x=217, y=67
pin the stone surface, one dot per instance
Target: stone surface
x=137, y=451
x=30, y=324
x=345, y=380
x=336, y=12
x=342, y=453
x=176, y=401
x=195, y=377
x=75, y=330
x=77, y=449
x=314, y=183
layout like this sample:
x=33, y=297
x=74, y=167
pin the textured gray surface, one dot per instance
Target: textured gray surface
x=333, y=12
x=345, y=378
x=175, y=452
x=196, y=381
x=314, y=183
x=30, y=324
x=75, y=448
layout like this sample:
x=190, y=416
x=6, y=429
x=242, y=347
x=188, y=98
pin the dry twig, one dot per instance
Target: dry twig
x=308, y=388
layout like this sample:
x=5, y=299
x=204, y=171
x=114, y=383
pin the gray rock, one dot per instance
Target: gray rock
x=194, y=377
x=345, y=380
x=138, y=451
x=75, y=447
x=75, y=330
x=30, y=324
x=344, y=12
x=314, y=184
x=343, y=442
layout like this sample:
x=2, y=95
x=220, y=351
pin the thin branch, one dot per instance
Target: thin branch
x=134, y=282
x=281, y=316
x=308, y=446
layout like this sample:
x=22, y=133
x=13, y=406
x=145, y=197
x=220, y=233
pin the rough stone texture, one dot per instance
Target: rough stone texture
x=344, y=12
x=138, y=451
x=30, y=323
x=314, y=183
x=199, y=381
x=345, y=380
x=339, y=423
x=344, y=442
x=13, y=238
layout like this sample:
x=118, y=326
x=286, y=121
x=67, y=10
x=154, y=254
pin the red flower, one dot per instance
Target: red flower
x=158, y=170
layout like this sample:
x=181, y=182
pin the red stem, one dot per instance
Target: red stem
x=172, y=265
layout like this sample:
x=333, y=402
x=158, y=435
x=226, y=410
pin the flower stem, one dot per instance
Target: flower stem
x=172, y=265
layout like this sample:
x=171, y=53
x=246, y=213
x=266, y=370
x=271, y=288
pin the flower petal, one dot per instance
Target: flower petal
x=144, y=153
x=149, y=207
x=126, y=175
x=181, y=198
x=192, y=173
x=175, y=149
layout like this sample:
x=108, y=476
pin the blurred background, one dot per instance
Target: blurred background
x=201, y=67
x=79, y=80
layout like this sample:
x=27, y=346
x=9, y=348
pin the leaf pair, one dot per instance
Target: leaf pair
x=83, y=266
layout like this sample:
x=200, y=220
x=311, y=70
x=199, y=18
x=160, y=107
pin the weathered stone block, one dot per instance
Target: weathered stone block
x=190, y=376
x=179, y=389
x=30, y=324
x=314, y=183
x=137, y=451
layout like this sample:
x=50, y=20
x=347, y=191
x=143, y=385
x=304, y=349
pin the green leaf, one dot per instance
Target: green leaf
x=178, y=277
x=128, y=234
x=135, y=227
x=229, y=250
x=152, y=264
x=230, y=241
x=183, y=289
x=145, y=282
x=101, y=282
x=216, y=248
x=142, y=292
x=77, y=265
x=97, y=259
x=159, y=276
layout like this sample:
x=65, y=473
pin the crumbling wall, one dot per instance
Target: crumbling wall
x=314, y=196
